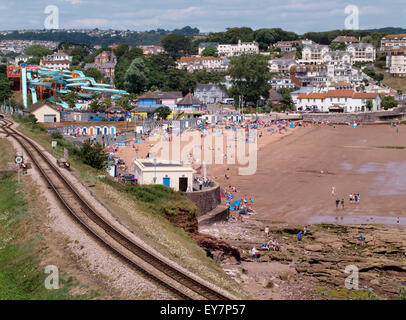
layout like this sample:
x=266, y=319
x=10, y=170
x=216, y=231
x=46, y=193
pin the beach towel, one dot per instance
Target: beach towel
x=235, y=206
x=222, y=194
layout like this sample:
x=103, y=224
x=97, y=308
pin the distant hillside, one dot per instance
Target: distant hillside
x=133, y=39
x=390, y=30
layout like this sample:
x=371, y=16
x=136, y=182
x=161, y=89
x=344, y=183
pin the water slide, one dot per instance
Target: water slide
x=47, y=77
x=24, y=85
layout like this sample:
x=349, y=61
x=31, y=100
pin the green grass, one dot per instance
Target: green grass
x=395, y=83
x=21, y=276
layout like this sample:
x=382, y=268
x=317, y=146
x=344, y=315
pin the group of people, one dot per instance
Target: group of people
x=352, y=197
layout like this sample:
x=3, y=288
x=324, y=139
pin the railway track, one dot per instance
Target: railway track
x=149, y=264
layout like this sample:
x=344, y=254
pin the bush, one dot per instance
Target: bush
x=93, y=154
x=56, y=135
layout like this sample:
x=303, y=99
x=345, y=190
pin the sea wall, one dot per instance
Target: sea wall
x=359, y=117
x=206, y=200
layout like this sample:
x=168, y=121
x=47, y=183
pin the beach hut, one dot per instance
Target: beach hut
x=98, y=131
x=91, y=131
x=78, y=131
x=105, y=130
x=85, y=131
x=112, y=130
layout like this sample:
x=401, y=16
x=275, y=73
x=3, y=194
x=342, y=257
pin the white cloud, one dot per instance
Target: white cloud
x=73, y=1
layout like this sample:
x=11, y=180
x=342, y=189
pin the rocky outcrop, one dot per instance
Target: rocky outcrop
x=219, y=248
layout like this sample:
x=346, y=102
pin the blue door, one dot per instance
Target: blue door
x=167, y=182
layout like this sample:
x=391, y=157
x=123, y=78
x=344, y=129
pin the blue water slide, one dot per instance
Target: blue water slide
x=33, y=95
x=24, y=85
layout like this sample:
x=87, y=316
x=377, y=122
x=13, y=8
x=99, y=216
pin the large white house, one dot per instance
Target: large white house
x=59, y=60
x=362, y=52
x=393, y=41
x=313, y=54
x=337, y=57
x=337, y=101
x=229, y=50
x=202, y=63
x=281, y=65
x=396, y=62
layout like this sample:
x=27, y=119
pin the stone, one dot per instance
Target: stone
x=314, y=247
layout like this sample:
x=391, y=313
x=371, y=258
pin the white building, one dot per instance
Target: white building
x=229, y=50
x=281, y=65
x=393, y=41
x=173, y=174
x=59, y=60
x=313, y=54
x=337, y=57
x=202, y=63
x=337, y=101
x=396, y=62
x=362, y=52
x=23, y=58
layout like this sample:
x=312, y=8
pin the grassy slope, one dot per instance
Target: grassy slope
x=395, y=83
x=147, y=224
x=21, y=276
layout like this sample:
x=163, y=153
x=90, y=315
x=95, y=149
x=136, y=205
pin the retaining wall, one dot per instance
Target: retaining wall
x=360, y=117
x=205, y=200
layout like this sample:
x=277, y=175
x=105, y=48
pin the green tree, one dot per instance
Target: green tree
x=369, y=105
x=95, y=106
x=135, y=80
x=123, y=64
x=163, y=112
x=124, y=102
x=38, y=51
x=286, y=99
x=33, y=61
x=93, y=154
x=95, y=74
x=250, y=77
x=107, y=102
x=339, y=46
x=5, y=89
x=210, y=51
x=71, y=98
x=176, y=45
x=389, y=102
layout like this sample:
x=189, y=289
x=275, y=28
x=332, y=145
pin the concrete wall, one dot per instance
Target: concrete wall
x=399, y=113
x=206, y=200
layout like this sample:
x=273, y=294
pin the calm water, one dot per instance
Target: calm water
x=393, y=221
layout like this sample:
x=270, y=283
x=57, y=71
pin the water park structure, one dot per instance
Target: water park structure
x=44, y=83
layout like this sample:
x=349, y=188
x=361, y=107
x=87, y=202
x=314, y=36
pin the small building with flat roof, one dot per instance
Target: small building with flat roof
x=170, y=173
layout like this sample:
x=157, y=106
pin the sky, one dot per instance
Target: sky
x=299, y=16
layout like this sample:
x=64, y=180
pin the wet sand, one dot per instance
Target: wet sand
x=295, y=175
x=296, y=171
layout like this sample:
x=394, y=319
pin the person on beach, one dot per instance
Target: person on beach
x=254, y=254
x=267, y=231
x=299, y=236
x=361, y=240
x=333, y=191
x=350, y=197
x=342, y=203
x=337, y=203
